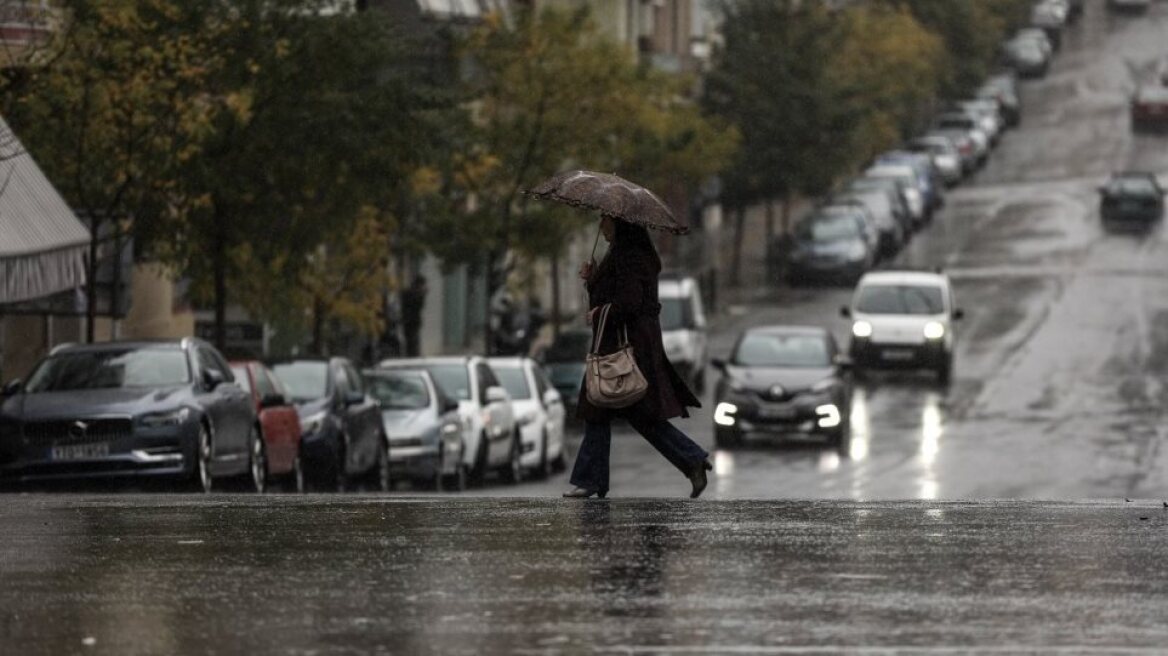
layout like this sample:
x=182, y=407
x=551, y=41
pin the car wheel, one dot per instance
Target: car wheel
x=455, y=482
x=945, y=372
x=513, y=470
x=257, y=461
x=339, y=476
x=201, y=479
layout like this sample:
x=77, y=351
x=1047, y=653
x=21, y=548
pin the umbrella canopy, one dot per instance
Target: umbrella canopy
x=610, y=195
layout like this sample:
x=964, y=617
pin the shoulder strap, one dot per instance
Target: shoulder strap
x=600, y=330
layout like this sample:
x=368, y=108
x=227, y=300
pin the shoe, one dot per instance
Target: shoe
x=699, y=480
x=584, y=493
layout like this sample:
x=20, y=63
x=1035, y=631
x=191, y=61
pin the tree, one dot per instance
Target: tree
x=772, y=79
x=550, y=93
x=112, y=108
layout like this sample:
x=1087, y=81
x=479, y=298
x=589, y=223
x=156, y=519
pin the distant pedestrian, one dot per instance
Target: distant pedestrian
x=413, y=299
x=627, y=279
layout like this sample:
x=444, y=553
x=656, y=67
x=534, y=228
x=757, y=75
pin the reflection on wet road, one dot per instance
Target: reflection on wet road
x=1059, y=381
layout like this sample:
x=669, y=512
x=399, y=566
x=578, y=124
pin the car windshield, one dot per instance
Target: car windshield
x=305, y=381
x=111, y=369
x=768, y=350
x=514, y=381
x=828, y=228
x=900, y=299
x=399, y=391
x=452, y=378
x=1132, y=186
x=674, y=313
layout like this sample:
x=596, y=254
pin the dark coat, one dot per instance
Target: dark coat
x=628, y=280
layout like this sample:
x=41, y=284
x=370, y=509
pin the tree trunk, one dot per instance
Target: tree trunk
x=317, y=327
x=736, y=259
x=769, y=246
x=788, y=201
x=91, y=282
x=219, y=264
x=556, y=311
x=491, y=276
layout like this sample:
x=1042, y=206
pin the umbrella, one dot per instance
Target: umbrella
x=610, y=195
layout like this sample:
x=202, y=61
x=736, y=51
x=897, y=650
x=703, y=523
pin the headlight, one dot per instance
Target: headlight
x=829, y=416
x=862, y=329
x=857, y=252
x=164, y=419
x=313, y=423
x=724, y=414
x=451, y=429
x=934, y=330
x=736, y=385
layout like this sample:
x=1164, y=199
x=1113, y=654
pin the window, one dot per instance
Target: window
x=901, y=299
x=210, y=360
x=263, y=383
x=515, y=382
x=400, y=391
x=762, y=350
x=110, y=369
x=486, y=380
x=356, y=383
x=305, y=380
x=344, y=386
x=453, y=379
x=241, y=379
x=542, y=384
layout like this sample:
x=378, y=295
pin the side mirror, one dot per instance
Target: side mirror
x=354, y=398
x=496, y=394
x=12, y=388
x=212, y=379
x=551, y=396
x=846, y=312
x=958, y=314
x=449, y=405
x=718, y=363
x=273, y=401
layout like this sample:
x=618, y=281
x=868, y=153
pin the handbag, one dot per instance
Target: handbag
x=613, y=380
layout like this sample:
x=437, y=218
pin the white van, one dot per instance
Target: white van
x=683, y=328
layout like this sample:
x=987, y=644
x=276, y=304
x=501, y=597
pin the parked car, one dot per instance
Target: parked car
x=783, y=381
x=148, y=409
x=1027, y=58
x=279, y=452
x=488, y=421
x=1149, y=107
x=1003, y=90
x=424, y=428
x=928, y=180
x=563, y=360
x=683, y=328
x=1051, y=16
x=1132, y=196
x=539, y=412
x=917, y=203
x=1040, y=37
x=988, y=115
x=342, y=439
x=897, y=192
x=1162, y=71
x=903, y=320
x=971, y=125
x=832, y=243
x=944, y=154
x=966, y=147
x=891, y=234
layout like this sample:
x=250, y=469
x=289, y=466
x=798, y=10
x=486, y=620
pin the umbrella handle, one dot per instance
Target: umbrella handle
x=595, y=242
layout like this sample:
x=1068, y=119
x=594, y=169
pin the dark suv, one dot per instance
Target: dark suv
x=128, y=409
x=342, y=436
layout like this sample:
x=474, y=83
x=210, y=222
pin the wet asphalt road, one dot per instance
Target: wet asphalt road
x=323, y=575
x=1059, y=382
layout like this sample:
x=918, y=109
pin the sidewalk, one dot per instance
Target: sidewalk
x=330, y=575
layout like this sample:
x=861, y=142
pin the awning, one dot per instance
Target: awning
x=42, y=243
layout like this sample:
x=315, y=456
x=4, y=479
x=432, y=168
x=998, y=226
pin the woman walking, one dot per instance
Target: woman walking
x=627, y=280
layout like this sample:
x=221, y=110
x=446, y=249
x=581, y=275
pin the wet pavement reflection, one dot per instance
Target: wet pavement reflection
x=144, y=574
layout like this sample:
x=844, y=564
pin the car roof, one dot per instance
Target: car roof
x=903, y=277
x=169, y=344
x=406, y=363
x=507, y=361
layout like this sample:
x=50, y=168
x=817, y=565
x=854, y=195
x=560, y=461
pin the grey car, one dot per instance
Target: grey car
x=424, y=429
x=129, y=409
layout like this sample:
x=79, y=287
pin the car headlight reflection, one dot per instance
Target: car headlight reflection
x=829, y=416
x=934, y=330
x=724, y=414
x=164, y=419
x=862, y=329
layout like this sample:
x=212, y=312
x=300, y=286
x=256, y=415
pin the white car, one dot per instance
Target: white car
x=904, y=320
x=489, y=429
x=913, y=196
x=539, y=412
x=683, y=328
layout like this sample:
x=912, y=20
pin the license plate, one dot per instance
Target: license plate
x=897, y=354
x=79, y=452
x=777, y=413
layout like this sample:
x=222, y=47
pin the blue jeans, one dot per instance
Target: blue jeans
x=591, y=469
